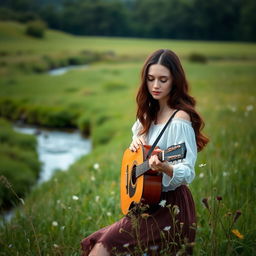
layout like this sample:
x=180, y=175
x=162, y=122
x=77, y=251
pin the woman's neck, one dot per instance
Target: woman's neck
x=163, y=113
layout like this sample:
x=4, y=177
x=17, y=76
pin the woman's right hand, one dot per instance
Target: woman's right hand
x=135, y=144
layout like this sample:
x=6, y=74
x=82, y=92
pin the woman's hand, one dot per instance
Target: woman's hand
x=156, y=165
x=134, y=146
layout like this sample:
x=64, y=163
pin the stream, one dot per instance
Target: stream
x=57, y=150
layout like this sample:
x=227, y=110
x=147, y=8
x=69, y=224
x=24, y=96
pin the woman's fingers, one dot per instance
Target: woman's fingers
x=154, y=162
x=134, y=146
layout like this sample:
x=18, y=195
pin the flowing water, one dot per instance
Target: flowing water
x=57, y=150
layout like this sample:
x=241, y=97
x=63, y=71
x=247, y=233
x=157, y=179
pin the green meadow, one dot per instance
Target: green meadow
x=99, y=99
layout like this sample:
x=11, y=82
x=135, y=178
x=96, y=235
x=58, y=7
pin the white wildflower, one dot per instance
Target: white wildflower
x=162, y=203
x=249, y=108
x=92, y=178
x=126, y=245
x=96, y=166
x=10, y=245
x=109, y=213
x=233, y=108
x=74, y=197
x=58, y=201
x=201, y=175
x=201, y=165
x=167, y=228
x=225, y=174
x=55, y=223
x=55, y=246
x=62, y=227
x=153, y=247
x=97, y=198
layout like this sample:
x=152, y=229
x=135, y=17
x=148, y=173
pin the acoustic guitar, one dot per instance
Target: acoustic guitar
x=138, y=182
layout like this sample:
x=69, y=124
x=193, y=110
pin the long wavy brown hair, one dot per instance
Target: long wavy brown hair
x=179, y=98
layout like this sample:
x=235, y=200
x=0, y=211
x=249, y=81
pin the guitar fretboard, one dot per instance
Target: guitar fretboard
x=142, y=168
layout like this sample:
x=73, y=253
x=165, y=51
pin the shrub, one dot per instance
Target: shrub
x=36, y=28
x=197, y=57
x=84, y=124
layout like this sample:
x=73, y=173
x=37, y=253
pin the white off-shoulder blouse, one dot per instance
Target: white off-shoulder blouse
x=178, y=131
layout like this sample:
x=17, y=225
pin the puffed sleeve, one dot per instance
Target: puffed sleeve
x=183, y=172
x=136, y=129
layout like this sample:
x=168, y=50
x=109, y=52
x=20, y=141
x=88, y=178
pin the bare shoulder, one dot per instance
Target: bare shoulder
x=183, y=115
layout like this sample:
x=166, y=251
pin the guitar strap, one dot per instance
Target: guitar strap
x=160, y=135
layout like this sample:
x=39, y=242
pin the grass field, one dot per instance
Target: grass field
x=52, y=221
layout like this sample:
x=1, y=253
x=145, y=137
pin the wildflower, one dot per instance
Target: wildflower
x=126, y=245
x=167, y=228
x=219, y=198
x=162, y=203
x=233, y=108
x=205, y=202
x=176, y=210
x=97, y=198
x=10, y=245
x=92, y=178
x=58, y=201
x=236, y=144
x=238, y=213
x=75, y=197
x=109, y=213
x=201, y=175
x=153, y=247
x=55, y=223
x=22, y=201
x=62, y=227
x=201, y=165
x=249, y=108
x=55, y=246
x=96, y=166
x=144, y=215
x=237, y=233
x=225, y=174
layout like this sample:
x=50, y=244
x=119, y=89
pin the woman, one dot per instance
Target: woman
x=168, y=227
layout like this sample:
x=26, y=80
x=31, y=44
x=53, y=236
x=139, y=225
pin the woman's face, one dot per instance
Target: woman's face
x=159, y=82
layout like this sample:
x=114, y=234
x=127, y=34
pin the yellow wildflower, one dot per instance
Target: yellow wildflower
x=237, y=233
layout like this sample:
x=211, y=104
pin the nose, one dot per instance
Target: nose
x=156, y=84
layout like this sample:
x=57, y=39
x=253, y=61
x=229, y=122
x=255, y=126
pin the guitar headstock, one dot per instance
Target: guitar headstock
x=173, y=153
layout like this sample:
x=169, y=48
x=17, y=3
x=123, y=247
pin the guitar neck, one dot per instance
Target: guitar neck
x=142, y=168
x=173, y=153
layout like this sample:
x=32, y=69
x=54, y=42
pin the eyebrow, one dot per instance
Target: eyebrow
x=159, y=76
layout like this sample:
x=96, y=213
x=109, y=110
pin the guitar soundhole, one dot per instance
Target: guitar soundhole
x=133, y=176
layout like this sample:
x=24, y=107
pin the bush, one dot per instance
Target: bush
x=197, y=57
x=36, y=28
x=84, y=124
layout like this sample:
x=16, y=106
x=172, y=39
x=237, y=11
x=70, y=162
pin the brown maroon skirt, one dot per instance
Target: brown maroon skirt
x=163, y=229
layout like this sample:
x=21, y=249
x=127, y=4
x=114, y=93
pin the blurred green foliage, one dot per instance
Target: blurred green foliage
x=180, y=19
x=19, y=165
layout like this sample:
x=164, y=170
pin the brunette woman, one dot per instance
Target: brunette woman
x=170, y=226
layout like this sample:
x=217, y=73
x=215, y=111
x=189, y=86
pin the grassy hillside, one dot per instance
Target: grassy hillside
x=53, y=222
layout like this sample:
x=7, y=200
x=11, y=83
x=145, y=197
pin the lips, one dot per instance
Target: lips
x=156, y=92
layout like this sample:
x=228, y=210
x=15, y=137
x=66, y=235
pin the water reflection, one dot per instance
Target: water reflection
x=63, y=70
x=57, y=150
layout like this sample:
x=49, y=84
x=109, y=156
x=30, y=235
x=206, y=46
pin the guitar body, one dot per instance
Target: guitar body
x=146, y=188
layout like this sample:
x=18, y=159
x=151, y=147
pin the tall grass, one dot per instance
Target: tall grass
x=73, y=204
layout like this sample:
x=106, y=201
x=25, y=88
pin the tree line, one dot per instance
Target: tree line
x=232, y=20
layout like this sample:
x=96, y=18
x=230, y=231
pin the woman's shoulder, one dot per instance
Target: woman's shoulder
x=181, y=114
